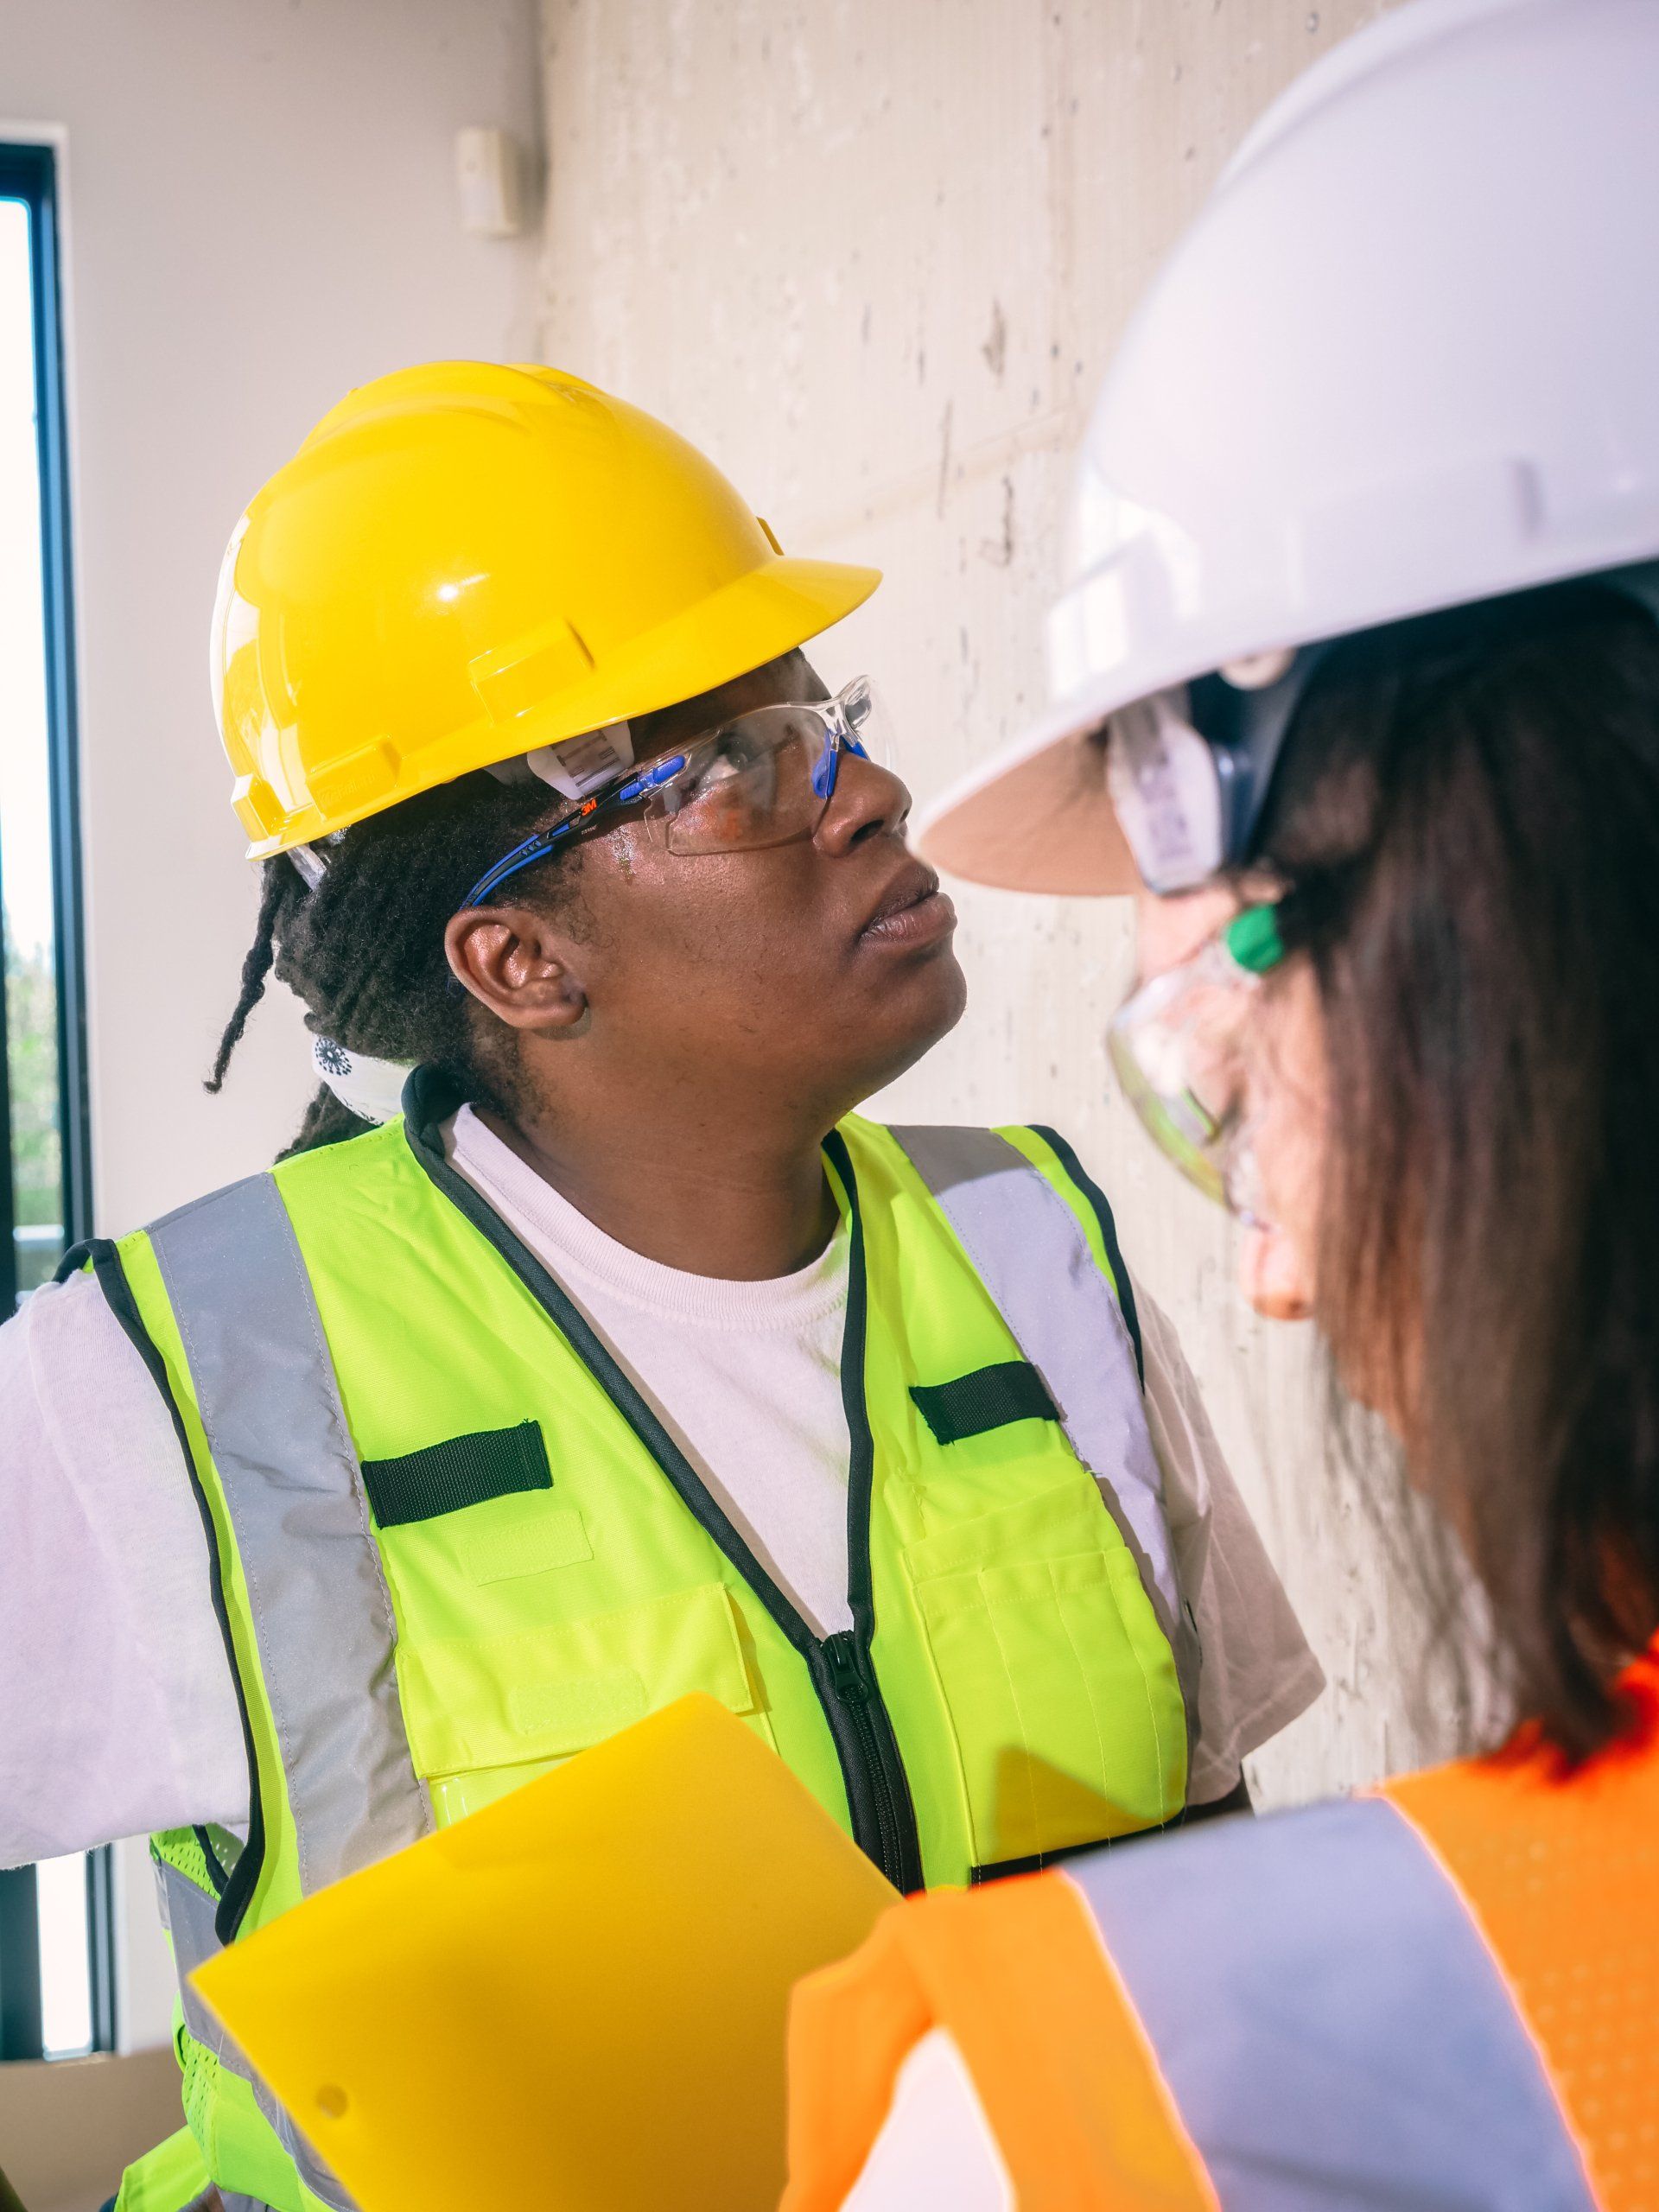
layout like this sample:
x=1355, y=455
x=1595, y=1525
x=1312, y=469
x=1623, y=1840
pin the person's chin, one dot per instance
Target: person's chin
x=918, y=1004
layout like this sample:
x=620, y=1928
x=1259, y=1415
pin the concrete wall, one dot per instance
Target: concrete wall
x=261, y=212
x=874, y=257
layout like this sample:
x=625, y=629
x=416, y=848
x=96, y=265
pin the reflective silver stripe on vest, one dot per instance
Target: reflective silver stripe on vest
x=1330, y=2021
x=187, y=1914
x=264, y=1385
x=1032, y=1256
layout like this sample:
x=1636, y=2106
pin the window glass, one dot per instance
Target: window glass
x=47, y=1913
x=26, y=842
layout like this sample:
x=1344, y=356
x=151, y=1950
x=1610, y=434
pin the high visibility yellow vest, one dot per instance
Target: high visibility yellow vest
x=452, y=1545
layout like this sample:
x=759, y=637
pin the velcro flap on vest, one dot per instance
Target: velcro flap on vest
x=532, y=1543
x=462, y=1471
x=991, y=1398
x=585, y=1710
x=1059, y=1524
x=541, y=1693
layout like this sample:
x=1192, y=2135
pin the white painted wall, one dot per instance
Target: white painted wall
x=261, y=214
x=874, y=257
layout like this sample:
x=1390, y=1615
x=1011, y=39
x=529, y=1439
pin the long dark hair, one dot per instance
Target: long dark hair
x=364, y=949
x=1468, y=810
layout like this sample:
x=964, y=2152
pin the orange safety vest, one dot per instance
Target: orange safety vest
x=1440, y=1994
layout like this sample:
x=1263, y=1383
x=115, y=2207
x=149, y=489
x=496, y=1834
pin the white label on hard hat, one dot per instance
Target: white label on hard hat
x=577, y=768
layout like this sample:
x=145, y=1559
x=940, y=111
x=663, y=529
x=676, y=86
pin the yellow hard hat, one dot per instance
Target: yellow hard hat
x=467, y=561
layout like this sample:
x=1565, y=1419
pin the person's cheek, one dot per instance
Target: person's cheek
x=1169, y=930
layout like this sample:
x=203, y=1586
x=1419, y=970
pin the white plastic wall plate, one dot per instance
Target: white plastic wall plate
x=489, y=172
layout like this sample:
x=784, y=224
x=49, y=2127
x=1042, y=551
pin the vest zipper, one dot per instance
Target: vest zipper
x=878, y=1790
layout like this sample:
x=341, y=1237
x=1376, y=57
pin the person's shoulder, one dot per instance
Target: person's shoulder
x=1321, y=2001
x=1036, y=1139
x=341, y=1175
x=1334, y=1926
x=1255, y=1889
x=64, y=1320
x=63, y=1351
x=1042, y=1142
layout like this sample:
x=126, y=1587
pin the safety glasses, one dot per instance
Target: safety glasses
x=1178, y=1046
x=763, y=778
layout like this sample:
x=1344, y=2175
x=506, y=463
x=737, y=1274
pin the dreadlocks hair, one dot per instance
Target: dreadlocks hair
x=364, y=950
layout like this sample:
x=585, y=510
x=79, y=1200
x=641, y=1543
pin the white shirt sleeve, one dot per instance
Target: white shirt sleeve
x=1258, y=1672
x=118, y=1712
x=936, y=2147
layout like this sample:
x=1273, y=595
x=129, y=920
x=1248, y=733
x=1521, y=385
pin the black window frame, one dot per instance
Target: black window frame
x=30, y=172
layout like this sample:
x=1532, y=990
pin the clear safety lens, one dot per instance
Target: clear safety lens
x=1165, y=792
x=767, y=778
x=764, y=778
x=1178, y=1046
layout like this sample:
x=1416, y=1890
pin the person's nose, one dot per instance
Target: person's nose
x=868, y=801
x=1271, y=1277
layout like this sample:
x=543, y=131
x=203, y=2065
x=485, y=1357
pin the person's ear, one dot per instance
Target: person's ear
x=519, y=964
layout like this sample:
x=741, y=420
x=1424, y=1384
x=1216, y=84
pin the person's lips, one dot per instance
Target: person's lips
x=914, y=912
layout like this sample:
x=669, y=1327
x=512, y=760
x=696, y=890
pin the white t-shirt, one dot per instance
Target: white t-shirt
x=117, y=1714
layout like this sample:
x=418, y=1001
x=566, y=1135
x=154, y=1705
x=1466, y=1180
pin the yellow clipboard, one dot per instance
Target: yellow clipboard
x=574, y=1999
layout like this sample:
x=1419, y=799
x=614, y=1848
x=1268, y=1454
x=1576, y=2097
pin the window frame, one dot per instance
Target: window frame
x=30, y=172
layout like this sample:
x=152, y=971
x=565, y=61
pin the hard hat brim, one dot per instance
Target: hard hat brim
x=1037, y=816
x=774, y=609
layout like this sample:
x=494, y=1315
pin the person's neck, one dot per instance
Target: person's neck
x=736, y=1203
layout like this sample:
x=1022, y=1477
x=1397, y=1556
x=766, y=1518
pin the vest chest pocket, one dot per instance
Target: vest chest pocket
x=486, y=1714
x=1060, y=1685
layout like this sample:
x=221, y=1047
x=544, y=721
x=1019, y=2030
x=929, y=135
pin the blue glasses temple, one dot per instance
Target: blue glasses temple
x=536, y=848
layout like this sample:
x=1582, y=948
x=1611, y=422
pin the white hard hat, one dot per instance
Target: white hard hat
x=1407, y=358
